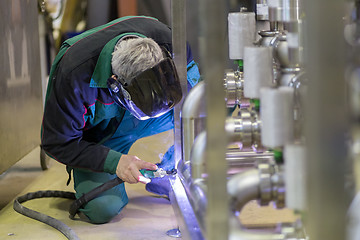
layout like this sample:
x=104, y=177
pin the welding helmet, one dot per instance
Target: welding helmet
x=151, y=93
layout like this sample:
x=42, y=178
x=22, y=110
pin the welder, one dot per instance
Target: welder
x=109, y=87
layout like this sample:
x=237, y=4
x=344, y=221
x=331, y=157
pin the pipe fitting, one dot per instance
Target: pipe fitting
x=287, y=75
x=266, y=37
x=272, y=187
x=197, y=157
x=234, y=88
x=280, y=50
x=278, y=189
x=242, y=188
x=193, y=115
x=265, y=184
x=245, y=128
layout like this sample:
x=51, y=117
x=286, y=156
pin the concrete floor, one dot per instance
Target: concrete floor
x=145, y=217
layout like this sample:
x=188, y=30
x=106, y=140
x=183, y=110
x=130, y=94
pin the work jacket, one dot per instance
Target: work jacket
x=82, y=126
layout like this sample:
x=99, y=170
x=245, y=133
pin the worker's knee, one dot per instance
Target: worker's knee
x=104, y=208
x=108, y=204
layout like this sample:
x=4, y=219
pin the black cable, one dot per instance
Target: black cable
x=75, y=206
x=87, y=197
x=62, y=227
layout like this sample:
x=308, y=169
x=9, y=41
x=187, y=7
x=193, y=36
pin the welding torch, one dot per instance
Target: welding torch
x=147, y=174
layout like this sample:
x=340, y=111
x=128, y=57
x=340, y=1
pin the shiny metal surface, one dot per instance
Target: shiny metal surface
x=266, y=184
x=278, y=187
x=20, y=82
x=243, y=187
x=213, y=56
x=266, y=37
x=178, y=11
x=295, y=43
x=280, y=50
x=192, y=118
x=197, y=160
x=240, y=160
x=175, y=233
x=291, y=10
x=198, y=200
x=265, y=173
x=326, y=121
x=184, y=212
x=234, y=87
x=244, y=129
x=236, y=160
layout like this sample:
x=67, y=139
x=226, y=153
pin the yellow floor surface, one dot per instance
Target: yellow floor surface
x=145, y=217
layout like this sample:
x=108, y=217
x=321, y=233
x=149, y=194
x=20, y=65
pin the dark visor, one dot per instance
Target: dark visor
x=151, y=93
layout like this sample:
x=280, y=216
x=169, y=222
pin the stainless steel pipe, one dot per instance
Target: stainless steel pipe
x=243, y=188
x=178, y=9
x=192, y=118
x=326, y=124
x=213, y=22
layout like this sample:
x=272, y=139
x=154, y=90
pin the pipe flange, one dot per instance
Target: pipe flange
x=234, y=87
x=265, y=184
x=256, y=129
x=278, y=189
x=246, y=127
x=238, y=131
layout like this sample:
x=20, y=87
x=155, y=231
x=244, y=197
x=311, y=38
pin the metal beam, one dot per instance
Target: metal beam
x=212, y=52
x=325, y=119
x=178, y=20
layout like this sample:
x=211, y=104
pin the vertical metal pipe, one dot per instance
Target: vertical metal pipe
x=212, y=52
x=192, y=117
x=178, y=20
x=325, y=123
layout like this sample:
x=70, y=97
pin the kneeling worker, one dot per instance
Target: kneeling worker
x=108, y=87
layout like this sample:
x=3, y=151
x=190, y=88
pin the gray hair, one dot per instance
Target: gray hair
x=132, y=56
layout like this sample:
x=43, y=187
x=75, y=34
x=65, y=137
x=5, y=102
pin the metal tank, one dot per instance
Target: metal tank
x=20, y=82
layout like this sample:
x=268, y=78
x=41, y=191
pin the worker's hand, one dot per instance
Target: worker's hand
x=129, y=166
